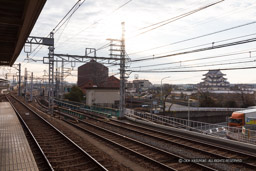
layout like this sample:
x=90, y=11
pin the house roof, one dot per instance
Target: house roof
x=214, y=78
x=93, y=62
x=113, y=77
x=17, y=19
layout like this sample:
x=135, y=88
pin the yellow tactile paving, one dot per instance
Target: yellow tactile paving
x=15, y=153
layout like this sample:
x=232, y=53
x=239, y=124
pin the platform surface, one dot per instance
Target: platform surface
x=15, y=152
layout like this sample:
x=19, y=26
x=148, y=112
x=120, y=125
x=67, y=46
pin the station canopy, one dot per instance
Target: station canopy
x=17, y=19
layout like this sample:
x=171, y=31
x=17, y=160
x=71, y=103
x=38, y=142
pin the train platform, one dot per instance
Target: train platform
x=15, y=152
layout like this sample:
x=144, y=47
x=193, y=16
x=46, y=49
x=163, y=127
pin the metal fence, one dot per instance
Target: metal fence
x=210, y=109
x=220, y=131
x=81, y=106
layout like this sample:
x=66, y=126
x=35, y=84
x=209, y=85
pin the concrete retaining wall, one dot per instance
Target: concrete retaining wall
x=226, y=143
x=202, y=116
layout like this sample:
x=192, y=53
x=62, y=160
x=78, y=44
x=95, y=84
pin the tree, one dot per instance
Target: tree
x=230, y=103
x=246, y=100
x=206, y=100
x=75, y=94
x=167, y=90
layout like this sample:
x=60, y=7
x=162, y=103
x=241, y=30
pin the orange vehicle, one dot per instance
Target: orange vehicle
x=242, y=118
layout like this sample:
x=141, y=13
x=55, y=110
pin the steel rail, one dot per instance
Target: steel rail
x=32, y=135
x=100, y=167
x=176, y=136
x=134, y=141
x=164, y=139
x=246, y=155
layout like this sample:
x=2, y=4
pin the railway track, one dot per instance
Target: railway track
x=157, y=159
x=162, y=139
x=160, y=159
x=159, y=139
x=234, y=159
x=175, y=144
x=58, y=150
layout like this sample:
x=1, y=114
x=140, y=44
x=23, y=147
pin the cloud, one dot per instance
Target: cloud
x=96, y=21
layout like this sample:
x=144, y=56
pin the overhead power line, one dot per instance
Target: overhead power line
x=66, y=18
x=96, y=22
x=197, y=59
x=165, y=22
x=66, y=15
x=199, y=65
x=208, y=65
x=199, y=50
x=197, y=37
x=201, y=45
x=203, y=70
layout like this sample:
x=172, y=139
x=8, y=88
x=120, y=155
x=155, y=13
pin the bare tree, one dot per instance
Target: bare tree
x=167, y=90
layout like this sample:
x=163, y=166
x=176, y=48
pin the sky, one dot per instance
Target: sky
x=96, y=21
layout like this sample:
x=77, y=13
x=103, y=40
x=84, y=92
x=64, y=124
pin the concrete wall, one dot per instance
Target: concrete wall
x=203, y=116
x=102, y=97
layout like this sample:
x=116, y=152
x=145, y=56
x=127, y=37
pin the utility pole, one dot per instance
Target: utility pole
x=62, y=79
x=25, y=88
x=56, y=92
x=51, y=75
x=31, y=87
x=188, y=111
x=13, y=81
x=122, y=73
x=19, y=79
x=120, y=47
x=40, y=88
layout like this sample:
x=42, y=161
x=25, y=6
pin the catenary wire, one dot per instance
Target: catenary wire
x=199, y=66
x=197, y=37
x=201, y=58
x=205, y=44
x=203, y=70
x=199, y=50
x=57, y=27
x=165, y=22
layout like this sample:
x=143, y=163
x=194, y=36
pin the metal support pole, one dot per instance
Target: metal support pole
x=56, y=81
x=40, y=88
x=25, y=88
x=62, y=79
x=51, y=76
x=31, y=88
x=19, y=79
x=188, y=112
x=122, y=74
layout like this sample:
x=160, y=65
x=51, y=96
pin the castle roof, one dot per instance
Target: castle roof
x=214, y=72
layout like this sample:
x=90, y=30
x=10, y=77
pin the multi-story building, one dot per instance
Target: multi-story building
x=141, y=85
x=214, y=80
x=92, y=74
